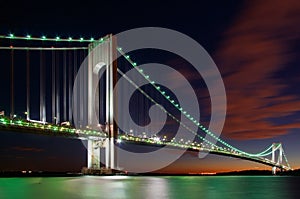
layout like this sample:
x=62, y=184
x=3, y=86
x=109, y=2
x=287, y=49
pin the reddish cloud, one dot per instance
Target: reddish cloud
x=29, y=149
x=257, y=45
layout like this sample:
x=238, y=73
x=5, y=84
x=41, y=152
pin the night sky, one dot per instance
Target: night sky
x=255, y=45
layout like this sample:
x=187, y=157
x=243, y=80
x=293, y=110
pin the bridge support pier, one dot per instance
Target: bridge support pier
x=274, y=170
x=275, y=147
x=110, y=154
x=93, y=154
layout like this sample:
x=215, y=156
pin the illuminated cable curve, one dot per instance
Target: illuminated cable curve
x=163, y=109
x=262, y=154
x=134, y=64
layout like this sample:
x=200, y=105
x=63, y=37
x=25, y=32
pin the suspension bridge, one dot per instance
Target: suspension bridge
x=54, y=87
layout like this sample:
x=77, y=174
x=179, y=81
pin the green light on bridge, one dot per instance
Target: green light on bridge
x=44, y=38
x=19, y=122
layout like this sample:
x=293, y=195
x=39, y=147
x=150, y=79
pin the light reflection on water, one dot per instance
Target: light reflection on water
x=151, y=187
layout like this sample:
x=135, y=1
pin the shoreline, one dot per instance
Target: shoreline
x=4, y=174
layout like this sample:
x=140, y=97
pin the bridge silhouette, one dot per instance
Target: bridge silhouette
x=60, y=59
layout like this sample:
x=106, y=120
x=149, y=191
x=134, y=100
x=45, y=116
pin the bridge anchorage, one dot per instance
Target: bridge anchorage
x=93, y=104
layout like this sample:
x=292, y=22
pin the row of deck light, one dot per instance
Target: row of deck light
x=188, y=144
x=6, y=121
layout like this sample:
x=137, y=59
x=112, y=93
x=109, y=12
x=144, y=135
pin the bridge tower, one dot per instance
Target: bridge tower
x=102, y=54
x=276, y=147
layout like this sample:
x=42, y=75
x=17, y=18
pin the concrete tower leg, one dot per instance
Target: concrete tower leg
x=275, y=147
x=273, y=158
x=93, y=154
x=274, y=170
x=102, y=56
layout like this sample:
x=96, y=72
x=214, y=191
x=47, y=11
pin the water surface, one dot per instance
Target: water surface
x=132, y=187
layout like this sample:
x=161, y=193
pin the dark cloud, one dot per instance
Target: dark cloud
x=255, y=48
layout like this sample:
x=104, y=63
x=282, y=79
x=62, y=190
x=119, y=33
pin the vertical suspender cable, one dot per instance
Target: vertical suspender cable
x=70, y=86
x=27, y=85
x=53, y=105
x=81, y=95
x=12, y=107
x=139, y=109
x=80, y=91
x=65, y=85
x=147, y=109
x=57, y=88
x=83, y=87
x=42, y=88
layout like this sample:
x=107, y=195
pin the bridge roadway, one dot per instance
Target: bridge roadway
x=24, y=126
x=39, y=128
x=196, y=147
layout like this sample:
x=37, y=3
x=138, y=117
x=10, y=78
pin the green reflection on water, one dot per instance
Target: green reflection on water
x=150, y=187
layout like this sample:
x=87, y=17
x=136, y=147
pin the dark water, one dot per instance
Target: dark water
x=151, y=187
